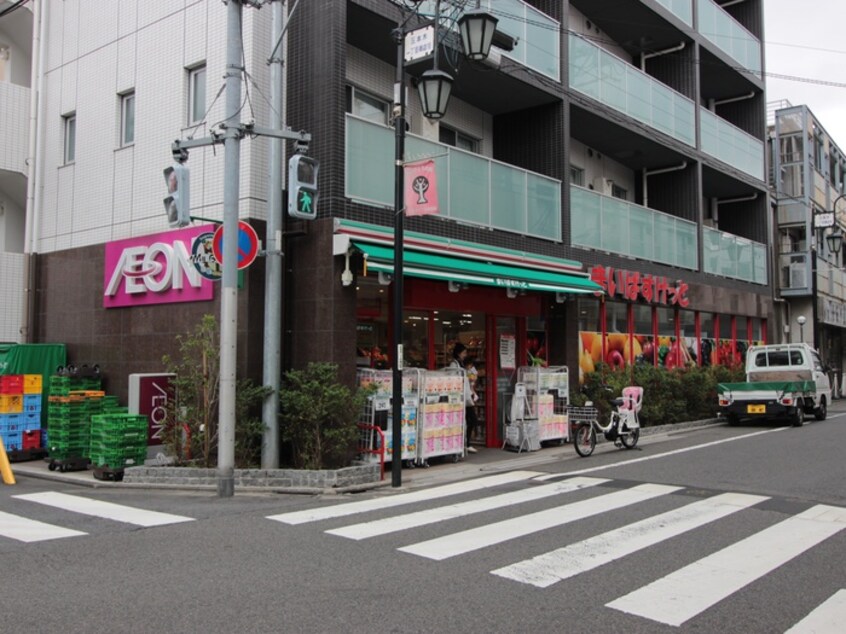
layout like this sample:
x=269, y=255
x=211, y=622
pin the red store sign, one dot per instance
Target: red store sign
x=633, y=285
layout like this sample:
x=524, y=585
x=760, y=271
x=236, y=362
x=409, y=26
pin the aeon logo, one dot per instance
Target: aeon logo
x=156, y=269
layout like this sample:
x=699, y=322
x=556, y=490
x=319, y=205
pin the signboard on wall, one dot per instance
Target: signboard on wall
x=148, y=396
x=634, y=285
x=162, y=268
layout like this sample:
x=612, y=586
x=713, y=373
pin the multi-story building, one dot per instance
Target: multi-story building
x=619, y=143
x=808, y=180
x=16, y=93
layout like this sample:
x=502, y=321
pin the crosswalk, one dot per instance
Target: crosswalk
x=673, y=599
x=28, y=530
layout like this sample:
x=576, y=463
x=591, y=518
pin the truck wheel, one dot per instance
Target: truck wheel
x=798, y=418
x=733, y=420
x=822, y=411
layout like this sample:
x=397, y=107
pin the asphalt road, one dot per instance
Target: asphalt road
x=714, y=530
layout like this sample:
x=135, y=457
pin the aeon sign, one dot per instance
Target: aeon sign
x=155, y=269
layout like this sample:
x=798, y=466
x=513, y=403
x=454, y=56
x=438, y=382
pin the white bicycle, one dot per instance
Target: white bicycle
x=623, y=425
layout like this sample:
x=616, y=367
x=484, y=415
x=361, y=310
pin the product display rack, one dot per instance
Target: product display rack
x=378, y=410
x=441, y=424
x=547, y=393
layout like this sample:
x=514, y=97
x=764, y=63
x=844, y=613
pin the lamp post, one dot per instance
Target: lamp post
x=477, y=28
x=801, y=321
x=834, y=242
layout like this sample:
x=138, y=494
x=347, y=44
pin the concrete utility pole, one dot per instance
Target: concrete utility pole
x=229, y=289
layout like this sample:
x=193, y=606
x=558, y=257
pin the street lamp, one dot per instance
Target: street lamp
x=834, y=241
x=477, y=28
x=801, y=321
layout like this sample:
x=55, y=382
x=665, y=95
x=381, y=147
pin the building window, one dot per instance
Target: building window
x=127, y=119
x=196, y=95
x=577, y=176
x=69, y=153
x=619, y=192
x=367, y=106
x=456, y=139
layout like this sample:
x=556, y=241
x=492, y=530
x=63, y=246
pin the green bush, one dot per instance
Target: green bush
x=669, y=396
x=319, y=417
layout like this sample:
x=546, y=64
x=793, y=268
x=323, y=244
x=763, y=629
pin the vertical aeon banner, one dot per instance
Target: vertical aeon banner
x=162, y=268
x=148, y=396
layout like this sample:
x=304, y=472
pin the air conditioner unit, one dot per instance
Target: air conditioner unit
x=797, y=276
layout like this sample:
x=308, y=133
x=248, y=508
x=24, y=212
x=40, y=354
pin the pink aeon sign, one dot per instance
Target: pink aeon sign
x=161, y=268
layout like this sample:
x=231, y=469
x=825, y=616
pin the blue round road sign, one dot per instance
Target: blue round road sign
x=248, y=244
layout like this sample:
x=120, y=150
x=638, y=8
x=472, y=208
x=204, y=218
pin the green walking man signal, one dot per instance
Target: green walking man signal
x=302, y=187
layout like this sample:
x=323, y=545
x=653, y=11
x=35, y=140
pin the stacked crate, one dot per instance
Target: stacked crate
x=118, y=440
x=72, y=401
x=20, y=411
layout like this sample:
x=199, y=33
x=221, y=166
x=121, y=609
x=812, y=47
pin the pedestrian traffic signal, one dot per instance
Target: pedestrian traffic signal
x=302, y=187
x=178, y=203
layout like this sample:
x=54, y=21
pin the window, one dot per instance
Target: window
x=448, y=136
x=577, y=176
x=69, y=152
x=127, y=119
x=619, y=192
x=196, y=95
x=367, y=106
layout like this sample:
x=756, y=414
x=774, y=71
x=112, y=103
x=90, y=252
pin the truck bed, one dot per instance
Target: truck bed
x=778, y=387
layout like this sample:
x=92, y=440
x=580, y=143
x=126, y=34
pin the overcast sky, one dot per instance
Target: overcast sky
x=807, y=39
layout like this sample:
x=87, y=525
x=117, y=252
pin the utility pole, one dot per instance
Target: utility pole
x=229, y=289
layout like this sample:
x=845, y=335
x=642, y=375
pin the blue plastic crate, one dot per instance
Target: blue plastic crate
x=11, y=422
x=12, y=440
x=32, y=403
x=30, y=422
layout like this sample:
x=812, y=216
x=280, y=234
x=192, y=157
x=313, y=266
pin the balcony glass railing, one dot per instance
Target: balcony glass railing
x=731, y=145
x=537, y=34
x=732, y=256
x=597, y=73
x=682, y=9
x=471, y=188
x=718, y=26
x=610, y=224
x=14, y=126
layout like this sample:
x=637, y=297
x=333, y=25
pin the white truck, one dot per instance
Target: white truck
x=783, y=381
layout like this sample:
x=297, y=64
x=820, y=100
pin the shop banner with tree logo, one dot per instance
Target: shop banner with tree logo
x=421, y=189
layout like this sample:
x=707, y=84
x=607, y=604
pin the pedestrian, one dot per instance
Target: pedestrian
x=459, y=355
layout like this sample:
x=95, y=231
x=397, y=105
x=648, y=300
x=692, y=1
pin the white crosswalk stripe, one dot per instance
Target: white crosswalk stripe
x=27, y=530
x=544, y=570
x=351, y=508
x=829, y=617
x=106, y=510
x=440, y=514
x=481, y=537
x=680, y=596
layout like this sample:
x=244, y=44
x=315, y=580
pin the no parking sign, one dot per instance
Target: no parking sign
x=247, y=246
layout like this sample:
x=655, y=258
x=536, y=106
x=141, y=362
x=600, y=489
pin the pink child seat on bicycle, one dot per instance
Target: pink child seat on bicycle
x=632, y=398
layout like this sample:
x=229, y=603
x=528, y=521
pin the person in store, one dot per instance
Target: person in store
x=459, y=354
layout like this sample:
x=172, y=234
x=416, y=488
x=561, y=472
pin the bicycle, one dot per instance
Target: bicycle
x=623, y=425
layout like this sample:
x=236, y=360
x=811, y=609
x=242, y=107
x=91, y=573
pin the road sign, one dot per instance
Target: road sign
x=823, y=220
x=419, y=43
x=248, y=244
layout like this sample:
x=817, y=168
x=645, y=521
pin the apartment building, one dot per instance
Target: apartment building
x=808, y=180
x=600, y=179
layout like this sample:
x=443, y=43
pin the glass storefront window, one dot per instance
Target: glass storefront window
x=536, y=352
x=415, y=338
x=687, y=331
x=616, y=317
x=589, y=315
x=709, y=340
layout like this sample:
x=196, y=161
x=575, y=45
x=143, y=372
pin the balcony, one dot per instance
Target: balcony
x=538, y=35
x=620, y=227
x=605, y=77
x=731, y=145
x=14, y=126
x=720, y=28
x=729, y=255
x=472, y=189
x=682, y=9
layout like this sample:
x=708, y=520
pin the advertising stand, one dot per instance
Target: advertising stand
x=377, y=414
x=441, y=416
x=547, y=393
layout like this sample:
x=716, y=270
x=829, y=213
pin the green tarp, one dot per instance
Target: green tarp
x=34, y=358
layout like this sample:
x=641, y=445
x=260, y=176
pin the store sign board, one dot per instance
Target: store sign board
x=833, y=312
x=148, y=396
x=161, y=268
x=633, y=286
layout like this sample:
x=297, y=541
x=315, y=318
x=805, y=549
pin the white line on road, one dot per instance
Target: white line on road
x=476, y=538
x=452, y=511
x=828, y=618
x=342, y=510
x=544, y=570
x=26, y=530
x=106, y=510
x=688, y=591
x=552, y=476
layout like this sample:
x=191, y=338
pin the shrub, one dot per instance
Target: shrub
x=319, y=417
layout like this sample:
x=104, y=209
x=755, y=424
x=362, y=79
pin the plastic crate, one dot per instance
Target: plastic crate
x=12, y=440
x=118, y=459
x=33, y=384
x=32, y=403
x=11, y=403
x=11, y=384
x=11, y=422
x=30, y=421
x=31, y=439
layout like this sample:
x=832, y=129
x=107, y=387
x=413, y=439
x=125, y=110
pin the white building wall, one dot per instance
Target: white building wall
x=97, y=51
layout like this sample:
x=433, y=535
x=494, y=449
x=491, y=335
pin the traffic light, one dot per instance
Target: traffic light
x=302, y=187
x=178, y=203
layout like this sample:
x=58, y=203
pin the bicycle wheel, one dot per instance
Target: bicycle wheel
x=584, y=440
x=629, y=437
